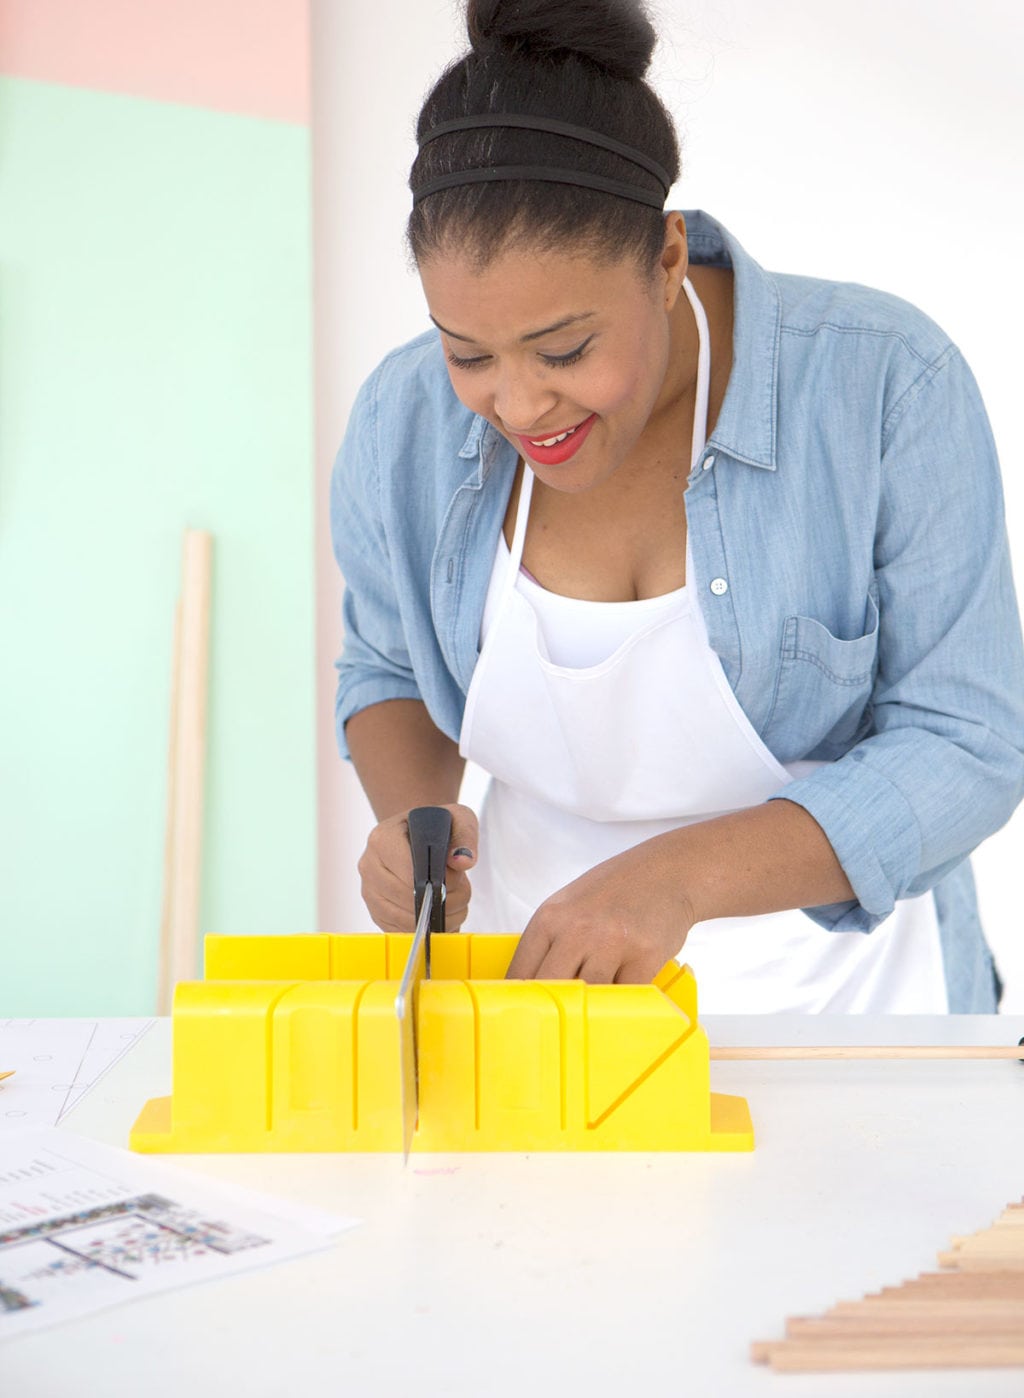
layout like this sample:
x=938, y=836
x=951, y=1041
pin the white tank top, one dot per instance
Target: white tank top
x=605, y=724
x=578, y=633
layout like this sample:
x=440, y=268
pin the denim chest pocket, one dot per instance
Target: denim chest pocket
x=822, y=696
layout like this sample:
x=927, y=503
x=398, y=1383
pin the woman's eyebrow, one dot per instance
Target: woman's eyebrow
x=531, y=335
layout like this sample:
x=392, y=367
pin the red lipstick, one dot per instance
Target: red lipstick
x=561, y=451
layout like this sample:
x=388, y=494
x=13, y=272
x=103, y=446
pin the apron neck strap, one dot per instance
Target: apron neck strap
x=700, y=411
x=522, y=515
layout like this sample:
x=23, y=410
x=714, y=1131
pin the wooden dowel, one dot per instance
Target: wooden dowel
x=980, y=1322
x=964, y=1305
x=1007, y=1284
x=839, y=1051
x=971, y=1316
x=1002, y=1239
x=926, y=1353
x=179, y=926
x=961, y=1287
x=991, y=1261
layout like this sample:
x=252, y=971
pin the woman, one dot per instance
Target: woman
x=705, y=566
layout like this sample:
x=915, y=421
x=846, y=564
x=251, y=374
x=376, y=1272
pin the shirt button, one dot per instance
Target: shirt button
x=718, y=586
x=709, y=463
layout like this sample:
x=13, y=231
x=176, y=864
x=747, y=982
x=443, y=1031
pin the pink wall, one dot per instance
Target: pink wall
x=245, y=56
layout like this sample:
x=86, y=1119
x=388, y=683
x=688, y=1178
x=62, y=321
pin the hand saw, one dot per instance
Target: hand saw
x=430, y=833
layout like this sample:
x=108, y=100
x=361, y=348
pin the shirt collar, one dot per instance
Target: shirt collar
x=486, y=444
x=746, y=423
x=745, y=428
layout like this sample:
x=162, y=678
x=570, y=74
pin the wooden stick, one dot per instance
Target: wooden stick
x=928, y=1352
x=9, y=1074
x=965, y=1305
x=990, y=1261
x=987, y=1321
x=1008, y=1239
x=1005, y=1284
x=179, y=927
x=964, y=1286
x=839, y=1051
x=969, y=1317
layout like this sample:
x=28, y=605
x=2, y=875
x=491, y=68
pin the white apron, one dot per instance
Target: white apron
x=586, y=762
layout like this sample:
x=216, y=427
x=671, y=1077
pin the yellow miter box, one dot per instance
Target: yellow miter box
x=293, y=1044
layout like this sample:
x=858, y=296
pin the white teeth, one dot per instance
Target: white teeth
x=552, y=441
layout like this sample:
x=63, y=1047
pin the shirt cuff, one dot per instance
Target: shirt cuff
x=363, y=694
x=873, y=831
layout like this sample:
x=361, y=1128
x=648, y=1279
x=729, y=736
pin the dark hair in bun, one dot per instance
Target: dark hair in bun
x=576, y=61
x=614, y=36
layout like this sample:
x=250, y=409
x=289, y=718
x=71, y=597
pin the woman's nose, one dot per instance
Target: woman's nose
x=521, y=402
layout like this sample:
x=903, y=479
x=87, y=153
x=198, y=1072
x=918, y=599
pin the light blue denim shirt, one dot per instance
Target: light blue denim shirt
x=849, y=499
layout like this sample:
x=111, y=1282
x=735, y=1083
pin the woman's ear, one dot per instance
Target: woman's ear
x=675, y=258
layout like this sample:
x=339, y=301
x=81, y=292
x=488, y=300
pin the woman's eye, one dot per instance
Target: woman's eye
x=562, y=361
x=557, y=361
x=466, y=363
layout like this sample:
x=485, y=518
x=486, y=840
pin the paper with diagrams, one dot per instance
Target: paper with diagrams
x=55, y=1062
x=84, y=1226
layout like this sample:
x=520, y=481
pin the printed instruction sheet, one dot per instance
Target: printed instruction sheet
x=55, y=1062
x=84, y=1226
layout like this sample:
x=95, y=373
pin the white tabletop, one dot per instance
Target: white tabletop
x=601, y=1274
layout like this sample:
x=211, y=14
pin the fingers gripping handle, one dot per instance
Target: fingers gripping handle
x=430, y=833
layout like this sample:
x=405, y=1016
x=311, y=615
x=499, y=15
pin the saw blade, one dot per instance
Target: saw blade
x=405, y=1009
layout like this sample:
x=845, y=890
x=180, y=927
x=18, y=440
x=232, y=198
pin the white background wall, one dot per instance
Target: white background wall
x=877, y=143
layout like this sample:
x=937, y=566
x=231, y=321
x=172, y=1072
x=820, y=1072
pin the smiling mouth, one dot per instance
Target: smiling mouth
x=553, y=441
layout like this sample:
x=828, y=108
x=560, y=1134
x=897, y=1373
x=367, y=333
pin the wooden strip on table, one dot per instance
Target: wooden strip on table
x=964, y=1302
x=985, y=1320
x=990, y=1260
x=930, y=1353
x=969, y=1316
x=1005, y=1284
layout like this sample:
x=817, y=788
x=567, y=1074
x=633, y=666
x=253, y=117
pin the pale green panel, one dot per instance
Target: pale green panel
x=155, y=373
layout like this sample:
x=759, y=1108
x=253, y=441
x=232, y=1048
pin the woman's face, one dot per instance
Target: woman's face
x=547, y=343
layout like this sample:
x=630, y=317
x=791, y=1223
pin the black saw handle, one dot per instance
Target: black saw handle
x=430, y=834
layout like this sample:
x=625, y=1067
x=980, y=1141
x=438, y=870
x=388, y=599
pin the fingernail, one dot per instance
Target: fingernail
x=463, y=852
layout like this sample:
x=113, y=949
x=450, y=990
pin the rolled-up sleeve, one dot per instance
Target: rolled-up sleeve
x=374, y=665
x=942, y=767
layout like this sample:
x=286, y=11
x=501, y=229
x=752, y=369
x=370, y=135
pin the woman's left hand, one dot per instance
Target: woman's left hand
x=621, y=921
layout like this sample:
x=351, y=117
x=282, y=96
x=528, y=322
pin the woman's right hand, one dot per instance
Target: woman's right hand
x=385, y=869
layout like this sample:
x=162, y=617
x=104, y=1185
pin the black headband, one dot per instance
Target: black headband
x=540, y=172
